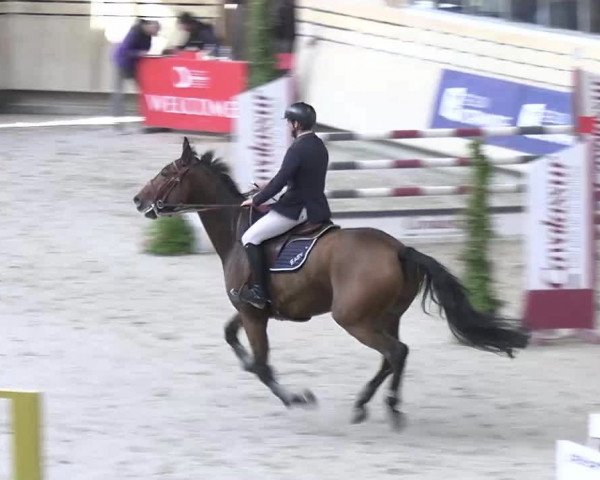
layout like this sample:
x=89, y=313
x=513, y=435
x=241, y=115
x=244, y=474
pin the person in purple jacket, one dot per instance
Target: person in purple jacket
x=136, y=43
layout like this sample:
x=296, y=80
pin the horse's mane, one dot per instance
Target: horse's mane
x=221, y=169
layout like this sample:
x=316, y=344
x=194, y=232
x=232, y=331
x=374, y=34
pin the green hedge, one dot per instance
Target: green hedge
x=170, y=236
x=478, y=274
x=261, y=52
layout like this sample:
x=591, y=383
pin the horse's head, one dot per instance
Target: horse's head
x=186, y=181
x=169, y=186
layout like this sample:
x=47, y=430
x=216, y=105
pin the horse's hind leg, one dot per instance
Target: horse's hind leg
x=384, y=340
x=400, y=354
x=399, y=363
x=360, y=408
x=391, y=324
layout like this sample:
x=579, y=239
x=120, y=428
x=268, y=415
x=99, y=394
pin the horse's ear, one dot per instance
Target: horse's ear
x=186, y=145
x=187, y=153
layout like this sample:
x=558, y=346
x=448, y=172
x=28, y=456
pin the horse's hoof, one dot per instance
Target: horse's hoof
x=398, y=419
x=360, y=415
x=305, y=398
x=310, y=397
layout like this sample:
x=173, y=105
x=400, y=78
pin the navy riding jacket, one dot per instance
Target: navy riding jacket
x=303, y=170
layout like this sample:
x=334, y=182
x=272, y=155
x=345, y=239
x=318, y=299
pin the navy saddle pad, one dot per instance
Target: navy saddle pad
x=295, y=252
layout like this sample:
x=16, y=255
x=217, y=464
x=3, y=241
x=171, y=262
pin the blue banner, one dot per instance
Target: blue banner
x=467, y=100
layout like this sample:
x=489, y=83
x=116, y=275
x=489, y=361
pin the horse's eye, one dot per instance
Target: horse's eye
x=165, y=172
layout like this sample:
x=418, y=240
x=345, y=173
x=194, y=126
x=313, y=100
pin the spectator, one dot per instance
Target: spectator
x=200, y=35
x=136, y=43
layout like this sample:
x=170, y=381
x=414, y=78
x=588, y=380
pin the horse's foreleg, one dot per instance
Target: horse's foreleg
x=232, y=328
x=256, y=331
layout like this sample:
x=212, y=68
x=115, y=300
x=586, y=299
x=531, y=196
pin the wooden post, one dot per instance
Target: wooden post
x=27, y=438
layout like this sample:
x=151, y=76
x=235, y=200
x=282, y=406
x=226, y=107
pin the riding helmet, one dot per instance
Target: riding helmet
x=303, y=113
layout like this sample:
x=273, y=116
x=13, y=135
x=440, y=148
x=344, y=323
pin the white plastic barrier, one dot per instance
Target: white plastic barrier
x=576, y=462
x=579, y=462
x=594, y=432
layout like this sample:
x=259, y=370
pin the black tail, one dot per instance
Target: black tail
x=476, y=329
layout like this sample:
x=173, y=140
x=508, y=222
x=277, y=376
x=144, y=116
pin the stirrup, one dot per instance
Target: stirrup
x=251, y=295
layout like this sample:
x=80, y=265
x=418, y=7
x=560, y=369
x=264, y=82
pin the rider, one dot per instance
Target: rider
x=303, y=170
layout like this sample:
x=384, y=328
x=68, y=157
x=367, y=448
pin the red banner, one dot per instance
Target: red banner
x=189, y=94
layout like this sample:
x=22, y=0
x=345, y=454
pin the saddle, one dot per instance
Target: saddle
x=288, y=252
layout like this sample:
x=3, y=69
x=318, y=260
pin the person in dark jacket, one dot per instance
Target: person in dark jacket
x=200, y=35
x=284, y=25
x=303, y=170
x=136, y=43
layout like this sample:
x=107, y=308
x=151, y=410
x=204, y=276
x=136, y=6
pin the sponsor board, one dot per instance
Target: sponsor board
x=468, y=100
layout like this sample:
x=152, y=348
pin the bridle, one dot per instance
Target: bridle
x=161, y=208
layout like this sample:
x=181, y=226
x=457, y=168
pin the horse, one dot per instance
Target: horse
x=364, y=277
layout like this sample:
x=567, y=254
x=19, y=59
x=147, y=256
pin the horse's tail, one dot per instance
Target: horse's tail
x=476, y=329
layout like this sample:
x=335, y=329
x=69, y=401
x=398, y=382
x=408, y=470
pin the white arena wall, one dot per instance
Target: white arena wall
x=377, y=68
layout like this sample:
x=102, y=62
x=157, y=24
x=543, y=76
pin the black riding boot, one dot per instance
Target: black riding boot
x=256, y=293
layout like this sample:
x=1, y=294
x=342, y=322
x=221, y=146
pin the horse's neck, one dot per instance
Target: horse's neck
x=220, y=228
x=221, y=224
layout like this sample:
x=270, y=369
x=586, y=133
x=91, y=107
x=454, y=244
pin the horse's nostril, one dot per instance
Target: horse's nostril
x=137, y=201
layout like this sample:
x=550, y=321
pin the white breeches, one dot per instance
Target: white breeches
x=269, y=226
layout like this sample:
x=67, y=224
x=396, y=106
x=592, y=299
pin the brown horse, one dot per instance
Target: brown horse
x=366, y=296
